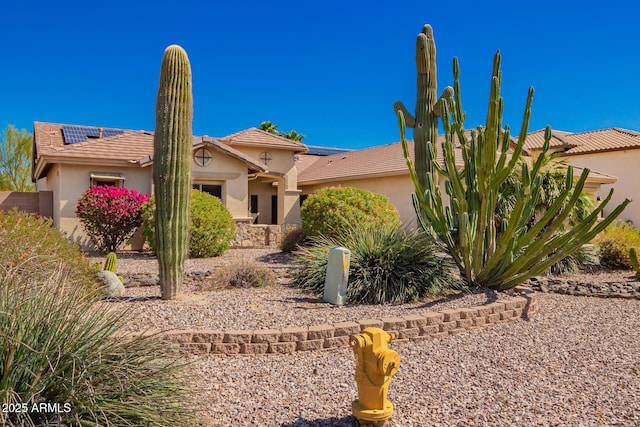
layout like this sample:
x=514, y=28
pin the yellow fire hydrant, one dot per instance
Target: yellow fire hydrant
x=375, y=365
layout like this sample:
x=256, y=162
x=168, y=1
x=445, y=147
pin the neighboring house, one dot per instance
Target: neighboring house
x=612, y=151
x=253, y=172
x=384, y=170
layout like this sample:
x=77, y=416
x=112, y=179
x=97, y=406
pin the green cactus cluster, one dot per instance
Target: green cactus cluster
x=110, y=262
x=172, y=168
x=633, y=257
x=498, y=256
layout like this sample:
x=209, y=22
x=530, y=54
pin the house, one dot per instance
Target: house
x=262, y=178
x=383, y=169
x=611, y=151
x=252, y=172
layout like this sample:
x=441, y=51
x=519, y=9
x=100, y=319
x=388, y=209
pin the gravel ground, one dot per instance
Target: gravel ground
x=273, y=307
x=576, y=363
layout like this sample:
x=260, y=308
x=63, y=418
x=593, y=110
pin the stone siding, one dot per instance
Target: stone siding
x=259, y=235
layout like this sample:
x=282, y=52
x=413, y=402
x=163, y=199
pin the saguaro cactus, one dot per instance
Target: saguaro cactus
x=172, y=168
x=428, y=108
x=496, y=257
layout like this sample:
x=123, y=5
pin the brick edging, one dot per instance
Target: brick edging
x=326, y=336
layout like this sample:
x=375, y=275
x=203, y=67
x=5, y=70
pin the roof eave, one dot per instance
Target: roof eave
x=46, y=160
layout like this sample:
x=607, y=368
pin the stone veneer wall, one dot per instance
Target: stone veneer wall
x=260, y=235
x=414, y=328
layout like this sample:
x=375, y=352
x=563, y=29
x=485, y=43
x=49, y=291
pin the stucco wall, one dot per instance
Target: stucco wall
x=232, y=175
x=623, y=165
x=282, y=162
x=52, y=183
x=76, y=181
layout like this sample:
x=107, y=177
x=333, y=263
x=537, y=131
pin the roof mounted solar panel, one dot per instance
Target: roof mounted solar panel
x=75, y=134
x=325, y=151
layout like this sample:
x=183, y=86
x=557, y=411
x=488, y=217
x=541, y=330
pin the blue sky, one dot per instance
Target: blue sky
x=330, y=70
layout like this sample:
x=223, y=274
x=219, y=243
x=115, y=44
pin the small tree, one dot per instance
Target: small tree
x=110, y=215
x=15, y=160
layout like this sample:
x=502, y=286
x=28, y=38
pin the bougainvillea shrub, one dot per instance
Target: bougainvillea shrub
x=110, y=215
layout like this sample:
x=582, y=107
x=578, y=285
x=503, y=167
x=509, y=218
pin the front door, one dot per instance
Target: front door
x=274, y=209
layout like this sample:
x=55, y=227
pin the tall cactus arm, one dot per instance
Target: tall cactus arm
x=409, y=120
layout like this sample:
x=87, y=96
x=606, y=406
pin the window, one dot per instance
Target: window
x=213, y=189
x=106, y=178
x=303, y=197
x=254, y=204
x=202, y=156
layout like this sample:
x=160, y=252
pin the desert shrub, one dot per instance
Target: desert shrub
x=332, y=211
x=293, y=240
x=241, y=274
x=212, y=226
x=615, y=242
x=586, y=258
x=110, y=215
x=388, y=265
x=58, y=347
x=30, y=241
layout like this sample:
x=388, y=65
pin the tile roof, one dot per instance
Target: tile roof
x=535, y=140
x=303, y=161
x=129, y=147
x=224, y=148
x=384, y=160
x=610, y=139
x=258, y=138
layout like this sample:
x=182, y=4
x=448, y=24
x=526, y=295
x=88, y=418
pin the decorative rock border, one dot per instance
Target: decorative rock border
x=609, y=289
x=327, y=336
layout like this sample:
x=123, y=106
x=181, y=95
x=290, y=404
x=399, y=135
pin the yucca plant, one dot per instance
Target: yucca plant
x=498, y=257
x=59, y=348
x=388, y=265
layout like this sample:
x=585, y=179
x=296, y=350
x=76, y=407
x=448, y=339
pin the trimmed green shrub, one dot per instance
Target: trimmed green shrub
x=388, y=265
x=31, y=241
x=293, y=240
x=332, y=211
x=615, y=242
x=211, y=230
x=58, y=347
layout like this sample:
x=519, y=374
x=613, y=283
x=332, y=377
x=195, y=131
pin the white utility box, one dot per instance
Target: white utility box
x=335, y=284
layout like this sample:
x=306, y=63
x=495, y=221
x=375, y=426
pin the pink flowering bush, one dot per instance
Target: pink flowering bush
x=110, y=215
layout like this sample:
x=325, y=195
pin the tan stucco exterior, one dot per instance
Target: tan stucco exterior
x=281, y=181
x=622, y=164
x=68, y=182
x=237, y=169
